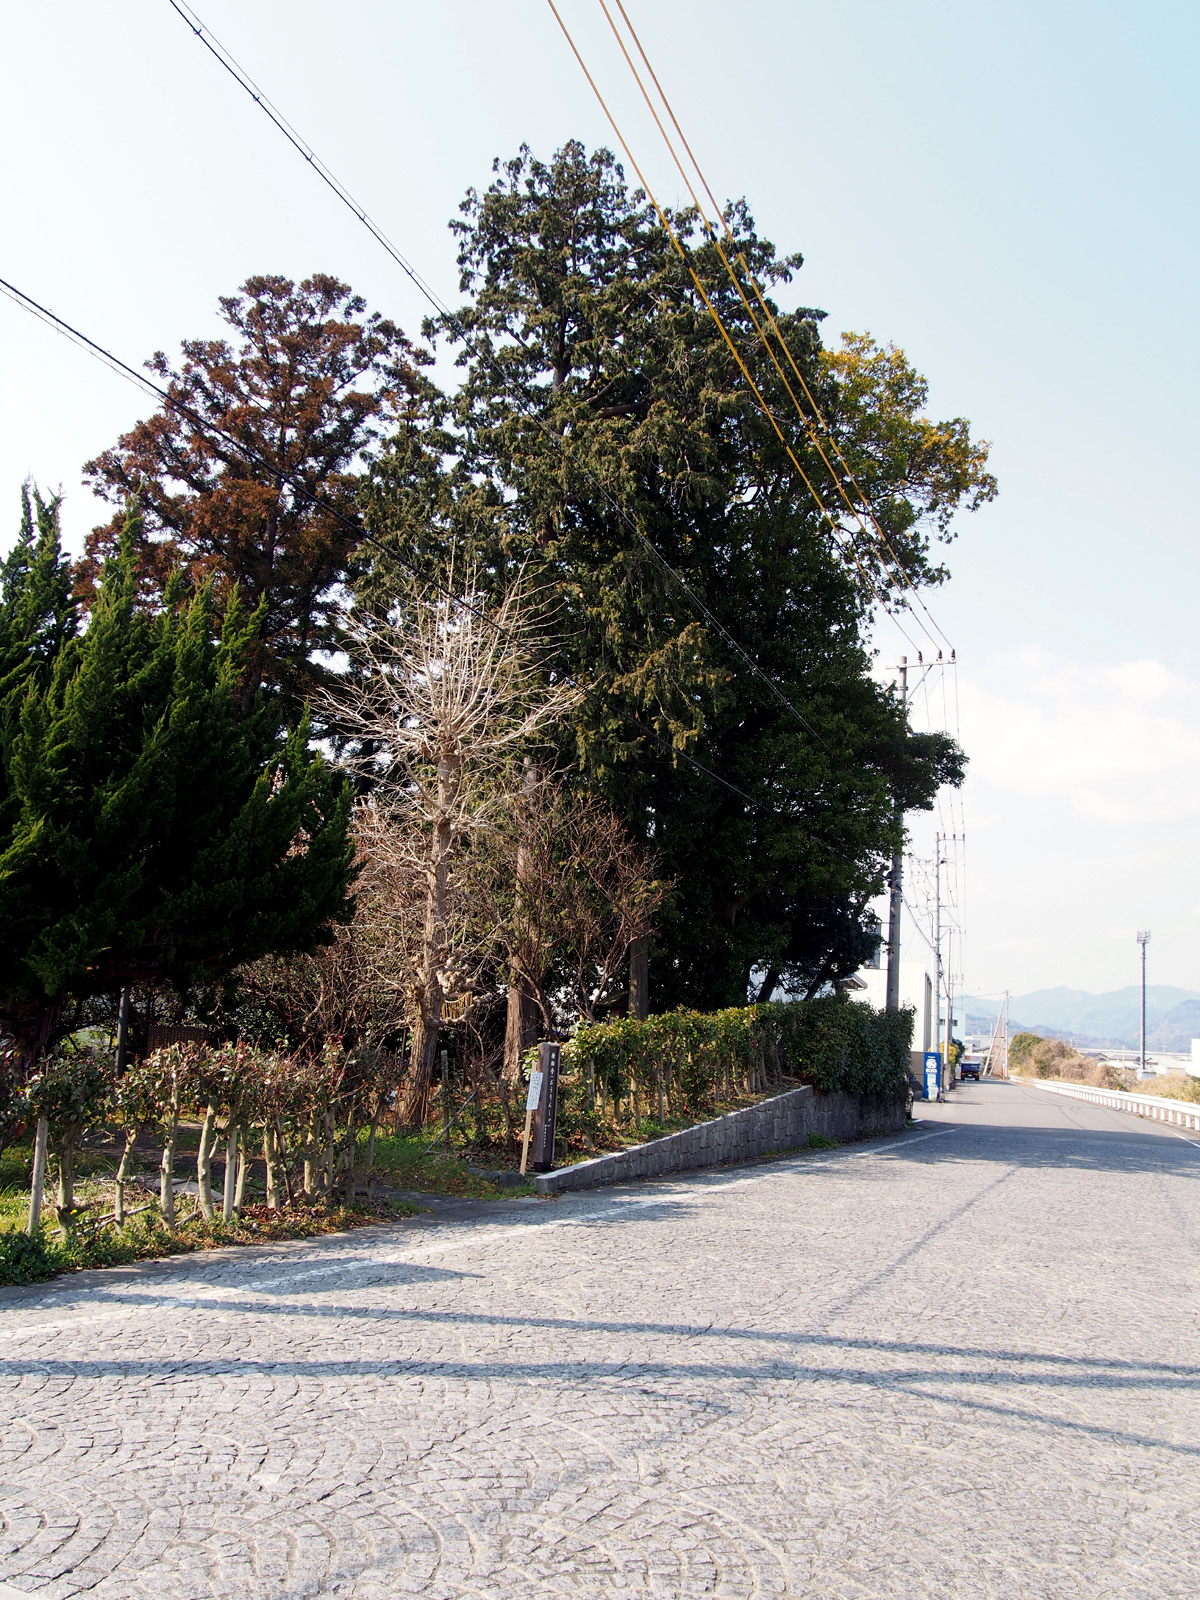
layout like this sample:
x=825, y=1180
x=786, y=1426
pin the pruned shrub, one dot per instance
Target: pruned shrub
x=691, y=1064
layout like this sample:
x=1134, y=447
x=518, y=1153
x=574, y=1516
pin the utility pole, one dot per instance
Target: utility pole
x=896, y=906
x=1006, y=1033
x=1143, y=939
x=937, y=941
x=949, y=1007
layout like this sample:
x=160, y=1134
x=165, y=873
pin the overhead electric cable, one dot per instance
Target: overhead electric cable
x=719, y=215
x=529, y=404
x=122, y=368
x=684, y=256
x=854, y=510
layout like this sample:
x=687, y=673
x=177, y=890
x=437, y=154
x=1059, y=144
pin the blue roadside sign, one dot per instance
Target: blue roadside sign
x=933, y=1073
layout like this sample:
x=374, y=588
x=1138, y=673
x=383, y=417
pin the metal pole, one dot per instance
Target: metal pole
x=937, y=939
x=949, y=1011
x=1143, y=939
x=896, y=906
x=1006, y=1033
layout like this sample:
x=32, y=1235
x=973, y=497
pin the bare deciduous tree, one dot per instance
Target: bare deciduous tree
x=571, y=893
x=355, y=988
x=447, y=693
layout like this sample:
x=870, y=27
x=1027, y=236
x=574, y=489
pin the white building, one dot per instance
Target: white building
x=916, y=994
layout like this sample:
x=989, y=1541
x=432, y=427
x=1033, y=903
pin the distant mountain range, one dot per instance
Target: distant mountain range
x=1172, y=1015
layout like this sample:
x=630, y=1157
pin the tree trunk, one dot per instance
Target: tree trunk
x=269, y=1162
x=38, y=1176
x=122, y=1177
x=281, y=1157
x=231, y=1161
x=208, y=1135
x=639, y=979
x=239, y=1193
x=521, y=1027
x=430, y=994
x=312, y=1157
x=66, y=1172
x=166, y=1171
x=768, y=986
x=370, y=1174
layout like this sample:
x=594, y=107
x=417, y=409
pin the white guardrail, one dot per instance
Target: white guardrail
x=1182, y=1113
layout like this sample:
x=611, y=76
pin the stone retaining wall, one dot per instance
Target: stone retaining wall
x=781, y=1123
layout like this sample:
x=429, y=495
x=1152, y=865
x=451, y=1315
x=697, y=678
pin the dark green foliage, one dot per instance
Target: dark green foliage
x=156, y=829
x=579, y=300
x=71, y=1092
x=25, y=1258
x=691, y=1062
x=37, y=618
x=837, y=1044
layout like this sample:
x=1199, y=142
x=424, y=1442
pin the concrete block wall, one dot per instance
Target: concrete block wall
x=782, y=1123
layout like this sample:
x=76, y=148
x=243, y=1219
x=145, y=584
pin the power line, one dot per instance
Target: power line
x=123, y=369
x=855, y=511
x=528, y=401
x=685, y=258
x=956, y=885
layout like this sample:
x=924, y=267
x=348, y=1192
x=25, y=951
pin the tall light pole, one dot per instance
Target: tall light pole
x=896, y=907
x=1143, y=939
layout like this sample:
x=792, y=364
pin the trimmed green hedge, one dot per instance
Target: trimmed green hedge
x=692, y=1064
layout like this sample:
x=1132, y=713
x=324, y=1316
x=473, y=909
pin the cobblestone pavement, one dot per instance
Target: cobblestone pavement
x=957, y=1363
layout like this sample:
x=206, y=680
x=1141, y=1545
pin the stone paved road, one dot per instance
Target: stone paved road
x=960, y=1363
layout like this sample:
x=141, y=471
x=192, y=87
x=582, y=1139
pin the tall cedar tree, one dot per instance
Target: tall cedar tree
x=266, y=504
x=154, y=827
x=579, y=300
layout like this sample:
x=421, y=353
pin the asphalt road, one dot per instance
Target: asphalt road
x=957, y=1363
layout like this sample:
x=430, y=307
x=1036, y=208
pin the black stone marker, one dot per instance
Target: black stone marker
x=545, y=1115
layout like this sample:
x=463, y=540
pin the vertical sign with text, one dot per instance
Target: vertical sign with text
x=545, y=1113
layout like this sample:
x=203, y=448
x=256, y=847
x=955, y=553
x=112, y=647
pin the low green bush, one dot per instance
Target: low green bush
x=685, y=1065
x=25, y=1258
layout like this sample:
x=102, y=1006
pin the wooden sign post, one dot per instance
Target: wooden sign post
x=545, y=1117
x=531, y=1105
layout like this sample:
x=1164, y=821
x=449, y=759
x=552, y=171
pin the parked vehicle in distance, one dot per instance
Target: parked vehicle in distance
x=969, y=1069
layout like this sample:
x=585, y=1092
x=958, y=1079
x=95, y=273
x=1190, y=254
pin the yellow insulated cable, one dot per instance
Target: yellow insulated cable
x=835, y=526
x=733, y=277
x=905, y=580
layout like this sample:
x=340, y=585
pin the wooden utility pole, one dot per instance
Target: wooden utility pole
x=639, y=979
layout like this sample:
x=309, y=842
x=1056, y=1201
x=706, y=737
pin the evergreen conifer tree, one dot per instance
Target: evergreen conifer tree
x=153, y=829
x=602, y=414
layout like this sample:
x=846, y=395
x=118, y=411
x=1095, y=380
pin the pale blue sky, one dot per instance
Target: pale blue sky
x=1008, y=192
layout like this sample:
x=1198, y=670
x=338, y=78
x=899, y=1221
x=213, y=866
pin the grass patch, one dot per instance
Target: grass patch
x=406, y=1162
x=26, y=1258
x=818, y=1141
